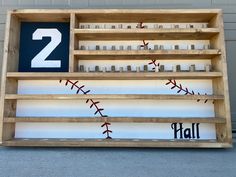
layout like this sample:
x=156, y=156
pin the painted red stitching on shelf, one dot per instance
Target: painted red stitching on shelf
x=170, y=81
x=154, y=63
x=93, y=104
x=144, y=44
x=175, y=85
x=181, y=89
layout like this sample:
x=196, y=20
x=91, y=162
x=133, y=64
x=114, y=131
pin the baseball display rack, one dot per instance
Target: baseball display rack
x=115, y=78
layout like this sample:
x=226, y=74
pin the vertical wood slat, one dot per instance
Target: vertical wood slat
x=4, y=70
x=220, y=85
x=226, y=128
x=10, y=63
x=72, y=43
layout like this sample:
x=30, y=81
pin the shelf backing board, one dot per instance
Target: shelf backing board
x=122, y=99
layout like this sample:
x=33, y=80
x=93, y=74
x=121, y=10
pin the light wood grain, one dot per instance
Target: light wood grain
x=146, y=54
x=119, y=15
x=72, y=43
x=147, y=34
x=116, y=143
x=110, y=96
x=157, y=15
x=118, y=119
x=10, y=63
x=116, y=75
x=4, y=72
x=220, y=85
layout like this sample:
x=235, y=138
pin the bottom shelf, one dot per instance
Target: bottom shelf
x=52, y=142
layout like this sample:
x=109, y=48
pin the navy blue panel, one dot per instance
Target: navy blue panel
x=30, y=48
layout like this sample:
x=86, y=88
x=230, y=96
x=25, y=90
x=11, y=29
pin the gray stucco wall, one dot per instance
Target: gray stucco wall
x=228, y=6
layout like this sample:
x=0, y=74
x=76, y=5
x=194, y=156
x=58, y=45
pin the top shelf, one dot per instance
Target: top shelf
x=148, y=34
x=150, y=15
x=119, y=15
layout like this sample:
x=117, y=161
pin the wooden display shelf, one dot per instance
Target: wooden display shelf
x=42, y=15
x=214, y=34
x=146, y=16
x=119, y=15
x=63, y=142
x=118, y=119
x=146, y=54
x=113, y=75
x=148, y=34
x=110, y=96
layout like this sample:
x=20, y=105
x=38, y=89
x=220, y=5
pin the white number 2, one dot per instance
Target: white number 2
x=39, y=61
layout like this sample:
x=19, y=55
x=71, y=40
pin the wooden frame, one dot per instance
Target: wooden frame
x=214, y=33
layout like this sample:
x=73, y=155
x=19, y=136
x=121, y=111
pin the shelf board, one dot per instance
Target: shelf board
x=110, y=97
x=147, y=34
x=146, y=54
x=80, y=142
x=120, y=15
x=117, y=119
x=146, y=15
x=110, y=75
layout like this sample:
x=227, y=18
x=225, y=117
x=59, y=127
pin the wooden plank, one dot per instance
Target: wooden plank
x=115, y=143
x=72, y=43
x=10, y=63
x=14, y=45
x=147, y=34
x=228, y=126
x=220, y=85
x=157, y=15
x=110, y=96
x=28, y=12
x=110, y=75
x=120, y=15
x=117, y=119
x=115, y=11
x=4, y=71
x=146, y=54
x=42, y=17
x=10, y=84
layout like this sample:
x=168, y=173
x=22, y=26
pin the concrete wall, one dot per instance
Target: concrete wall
x=228, y=6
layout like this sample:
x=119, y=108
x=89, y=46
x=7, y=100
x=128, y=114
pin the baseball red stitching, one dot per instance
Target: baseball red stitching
x=144, y=44
x=175, y=85
x=93, y=104
x=170, y=81
x=181, y=89
x=154, y=63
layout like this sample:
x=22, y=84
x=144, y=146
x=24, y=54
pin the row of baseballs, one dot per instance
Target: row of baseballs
x=161, y=68
x=122, y=26
x=140, y=47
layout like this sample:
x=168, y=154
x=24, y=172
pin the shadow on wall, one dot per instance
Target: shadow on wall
x=1, y=55
x=230, y=50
